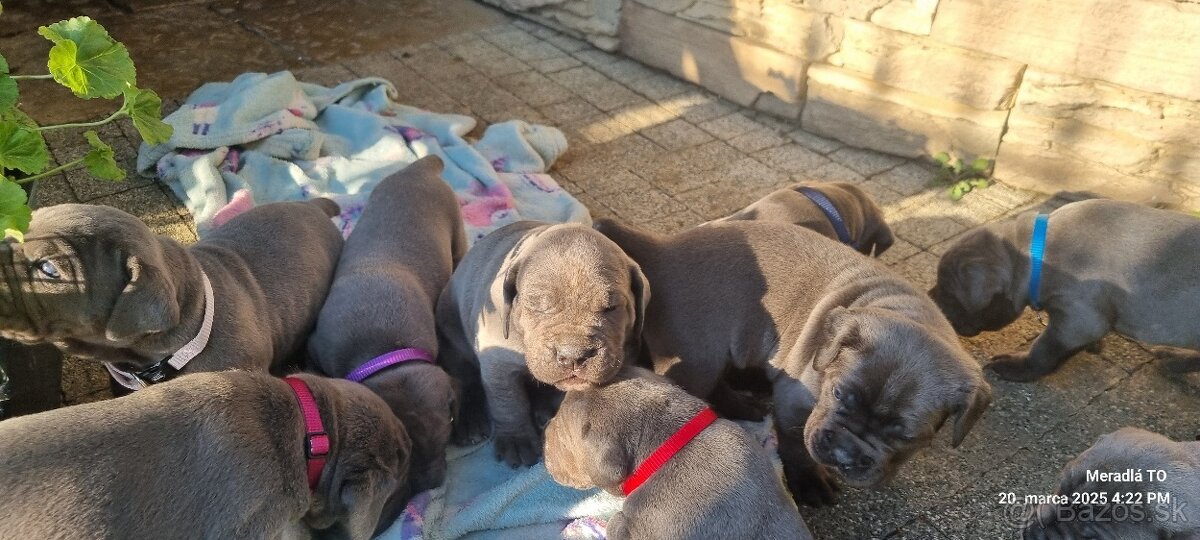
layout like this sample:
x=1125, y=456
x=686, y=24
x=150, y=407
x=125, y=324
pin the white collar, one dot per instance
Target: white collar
x=182, y=356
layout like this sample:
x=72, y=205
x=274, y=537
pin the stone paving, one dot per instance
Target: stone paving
x=666, y=155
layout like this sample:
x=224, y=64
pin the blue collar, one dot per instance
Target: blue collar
x=1037, y=250
x=831, y=213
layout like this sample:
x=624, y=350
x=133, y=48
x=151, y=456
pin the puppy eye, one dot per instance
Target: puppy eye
x=897, y=431
x=48, y=269
x=611, y=308
x=846, y=397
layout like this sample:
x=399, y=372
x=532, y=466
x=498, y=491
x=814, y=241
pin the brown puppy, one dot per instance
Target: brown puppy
x=1108, y=265
x=1155, y=465
x=869, y=232
x=560, y=302
x=95, y=282
x=864, y=368
x=210, y=455
x=392, y=270
x=720, y=485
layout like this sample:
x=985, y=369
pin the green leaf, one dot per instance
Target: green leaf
x=86, y=60
x=14, y=213
x=19, y=117
x=981, y=165
x=22, y=148
x=99, y=161
x=8, y=87
x=145, y=107
x=942, y=158
x=955, y=193
x=979, y=183
x=956, y=166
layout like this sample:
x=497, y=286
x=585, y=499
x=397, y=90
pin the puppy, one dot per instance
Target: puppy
x=1126, y=450
x=95, y=282
x=721, y=484
x=560, y=302
x=1108, y=265
x=864, y=368
x=868, y=231
x=391, y=271
x=210, y=455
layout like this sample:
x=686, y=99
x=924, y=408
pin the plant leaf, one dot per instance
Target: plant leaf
x=14, y=213
x=86, y=60
x=8, y=87
x=99, y=161
x=981, y=165
x=22, y=148
x=942, y=158
x=979, y=183
x=145, y=107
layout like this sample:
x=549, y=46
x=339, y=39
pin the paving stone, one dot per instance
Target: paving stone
x=754, y=141
x=325, y=75
x=595, y=207
x=674, y=223
x=920, y=269
x=814, y=142
x=831, y=172
x=729, y=126
x=907, y=178
x=792, y=159
x=751, y=174
x=595, y=57
x=500, y=66
x=901, y=249
x=603, y=182
x=509, y=37
x=50, y=191
x=438, y=65
x=534, y=88
x=926, y=228
x=538, y=50
x=884, y=196
x=566, y=43
x=642, y=205
x=555, y=63
x=658, y=86
x=676, y=134
x=642, y=115
x=569, y=110
x=81, y=378
x=624, y=70
x=865, y=162
x=383, y=64
x=154, y=207
x=475, y=51
x=712, y=201
x=697, y=106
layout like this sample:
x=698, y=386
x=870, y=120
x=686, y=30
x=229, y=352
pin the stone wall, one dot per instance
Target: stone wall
x=1064, y=94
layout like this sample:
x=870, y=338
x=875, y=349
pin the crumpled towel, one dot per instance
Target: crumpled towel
x=265, y=138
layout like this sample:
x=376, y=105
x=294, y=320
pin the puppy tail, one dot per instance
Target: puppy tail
x=330, y=208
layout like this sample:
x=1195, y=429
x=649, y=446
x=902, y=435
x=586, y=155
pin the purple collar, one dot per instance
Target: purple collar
x=388, y=360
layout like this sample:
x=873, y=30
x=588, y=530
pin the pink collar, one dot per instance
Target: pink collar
x=388, y=360
x=316, y=441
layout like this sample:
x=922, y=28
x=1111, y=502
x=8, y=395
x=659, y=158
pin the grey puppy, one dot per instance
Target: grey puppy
x=1108, y=265
x=559, y=302
x=98, y=284
x=1136, y=517
x=864, y=220
x=720, y=485
x=864, y=368
x=394, y=266
x=209, y=455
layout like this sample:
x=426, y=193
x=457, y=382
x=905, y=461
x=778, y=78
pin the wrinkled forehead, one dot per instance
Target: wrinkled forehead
x=906, y=374
x=576, y=262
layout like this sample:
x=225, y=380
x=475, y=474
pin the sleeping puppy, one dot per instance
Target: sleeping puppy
x=96, y=283
x=721, y=484
x=864, y=368
x=392, y=270
x=1136, y=518
x=867, y=229
x=1108, y=265
x=210, y=455
x=560, y=302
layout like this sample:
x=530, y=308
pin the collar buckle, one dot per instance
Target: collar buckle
x=316, y=445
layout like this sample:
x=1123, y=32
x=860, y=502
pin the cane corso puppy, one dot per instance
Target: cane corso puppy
x=394, y=266
x=863, y=366
x=721, y=484
x=868, y=231
x=95, y=282
x=210, y=455
x=1151, y=491
x=560, y=302
x=1108, y=265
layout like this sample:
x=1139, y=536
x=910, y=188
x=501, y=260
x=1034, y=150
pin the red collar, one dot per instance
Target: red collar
x=669, y=448
x=316, y=441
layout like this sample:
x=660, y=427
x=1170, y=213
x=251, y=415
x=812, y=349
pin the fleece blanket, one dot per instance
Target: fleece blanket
x=264, y=138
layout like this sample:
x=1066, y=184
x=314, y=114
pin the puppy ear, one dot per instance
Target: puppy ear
x=641, y=297
x=510, y=293
x=973, y=401
x=607, y=465
x=883, y=238
x=147, y=305
x=838, y=329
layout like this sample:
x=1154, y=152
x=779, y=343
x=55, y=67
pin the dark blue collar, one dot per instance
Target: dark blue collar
x=831, y=213
x=1037, y=250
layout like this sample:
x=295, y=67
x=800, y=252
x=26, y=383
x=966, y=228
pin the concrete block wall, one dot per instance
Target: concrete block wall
x=1063, y=94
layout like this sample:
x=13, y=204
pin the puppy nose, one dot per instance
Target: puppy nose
x=573, y=356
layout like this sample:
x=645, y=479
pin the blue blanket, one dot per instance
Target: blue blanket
x=265, y=138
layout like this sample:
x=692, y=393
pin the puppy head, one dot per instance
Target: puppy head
x=876, y=236
x=888, y=386
x=577, y=301
x=974, y=284
x=423, y=397
x=364, y=486
x=88, y=273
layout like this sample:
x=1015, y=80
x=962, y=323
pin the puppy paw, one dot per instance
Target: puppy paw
x=470, y=429
x=1015, y=367
x=813, y=486
x=519, y=450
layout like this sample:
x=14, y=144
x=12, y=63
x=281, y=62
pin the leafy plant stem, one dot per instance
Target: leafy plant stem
x=56, y=170
x=115, y=115
x=19, y=77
